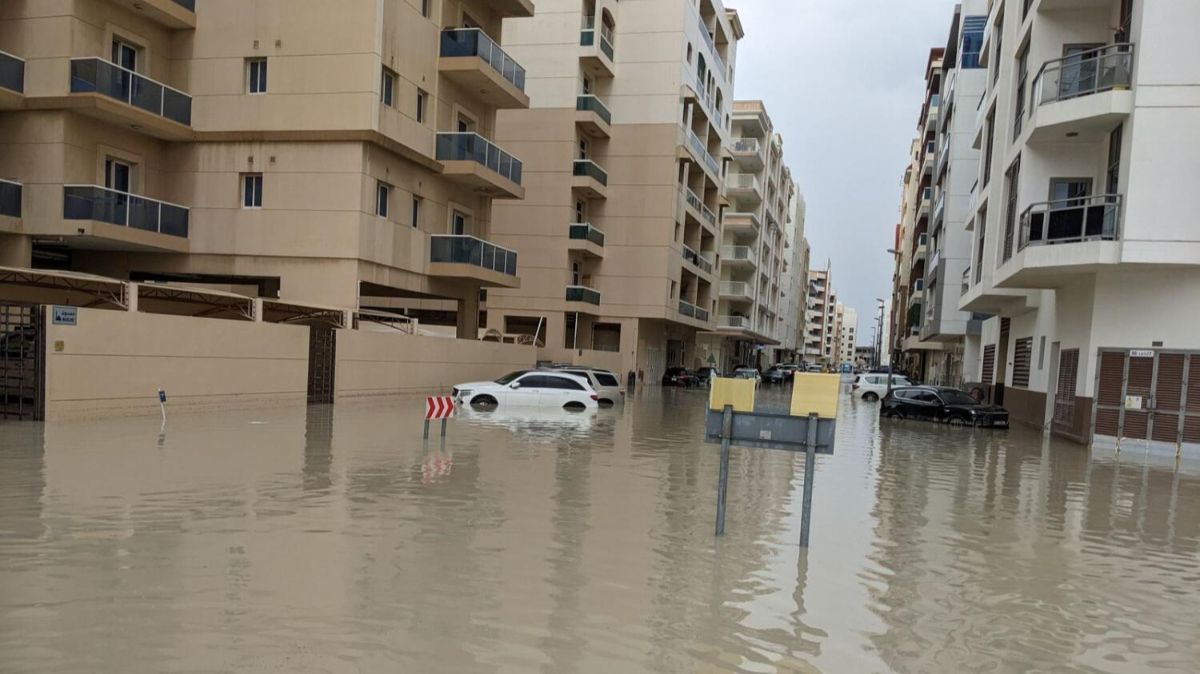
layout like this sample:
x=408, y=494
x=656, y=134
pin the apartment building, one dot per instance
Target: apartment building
x=819, y=317
x=794, y=297
x=914, y=256
x=954, y=169
x=847, y=336
x=1085, y=245
x=623, y=147
x=335, y=153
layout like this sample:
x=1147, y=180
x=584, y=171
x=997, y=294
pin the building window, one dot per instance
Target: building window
x=1112, y=180
x=416, y=212
x=256, y=76
x=383, y=198
x=580, y=210
x=1013, y=176
x=422, y=105
x=1022, y=356
x=987, y=150
x=458, y=222
x=972, y=40
x=387, y=88
x=118, y=175
x=425, y=7
x=999, y=30
x=252, y=186
x=981, y=225
x=1022, y=76
x=125, y=54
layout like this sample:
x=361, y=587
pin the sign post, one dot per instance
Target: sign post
x=438, y=407
x=808, y=425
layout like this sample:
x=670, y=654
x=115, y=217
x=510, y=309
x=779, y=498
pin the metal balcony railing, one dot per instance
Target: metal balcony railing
x=590, y=169
x=466, y=146
x=92, y=202
x=584, y=231
x=95, y=75
x=1095, y=218
x=735, y=322
x=12, y=72
x=1103, y=69
x=742, y=181
x=462, y=249
x=475, y=42
x=699, y=148
x=587, y=37
x=695, y=258
x=10, y=198
x=583, y=294
x=591, y=103
x=755, y=222
x=692, y=311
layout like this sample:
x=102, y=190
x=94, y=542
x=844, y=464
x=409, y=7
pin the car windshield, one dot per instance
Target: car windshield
x=953, y=396
x=510, y=376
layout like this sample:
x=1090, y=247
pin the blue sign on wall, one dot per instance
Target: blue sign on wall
x=64, y=315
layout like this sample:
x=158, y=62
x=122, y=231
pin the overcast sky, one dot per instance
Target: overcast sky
x=843, y=81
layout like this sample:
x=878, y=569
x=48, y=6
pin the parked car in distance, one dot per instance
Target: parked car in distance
x=746, y=373
x=873, y=386
x=775, y=375
x=812, y=367
x=529, y=388
x=790, y=369
x=605, y=382
x=705, y=375
x=942, y=404
x=678, y=376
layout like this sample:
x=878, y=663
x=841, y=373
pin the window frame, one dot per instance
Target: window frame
x=387, y=86
x=383, y=199
x=252, y=191
x=414, y=211
x=256, y=79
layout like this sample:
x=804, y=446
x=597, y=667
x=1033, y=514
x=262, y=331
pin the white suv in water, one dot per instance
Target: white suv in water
x=872, y=386
x=528, y=388
x=605, y=382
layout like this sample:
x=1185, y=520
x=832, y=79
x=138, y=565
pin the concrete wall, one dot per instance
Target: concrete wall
x=608, y=360
x=115, y=361
x=370, y=363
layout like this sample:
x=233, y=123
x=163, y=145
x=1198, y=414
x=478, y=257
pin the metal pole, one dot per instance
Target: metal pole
x=810, y=466
x=426, y=435
x=443, y=427
x=723, y=480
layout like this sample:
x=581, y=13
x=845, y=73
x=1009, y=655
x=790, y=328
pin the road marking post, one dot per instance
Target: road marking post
x=438, y=407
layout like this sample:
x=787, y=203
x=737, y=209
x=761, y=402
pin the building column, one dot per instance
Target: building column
x=16, y=250
x=468, y=316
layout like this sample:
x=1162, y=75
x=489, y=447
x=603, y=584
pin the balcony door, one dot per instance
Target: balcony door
x=1068, y=213
x=124, y=54
x=1079, y=70
x=458, y=223
x=117, y=177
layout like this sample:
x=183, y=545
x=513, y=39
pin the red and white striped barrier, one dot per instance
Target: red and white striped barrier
x=438, y=407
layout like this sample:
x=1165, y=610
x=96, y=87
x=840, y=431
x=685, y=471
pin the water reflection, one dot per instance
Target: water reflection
x=333, y=539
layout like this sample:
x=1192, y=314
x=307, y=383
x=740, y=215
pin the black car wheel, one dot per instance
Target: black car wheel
x=870, y=396
x=484, y=403
x=959, y=421
x=892, y=414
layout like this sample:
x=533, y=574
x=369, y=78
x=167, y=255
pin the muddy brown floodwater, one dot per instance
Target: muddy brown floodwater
x=330, y=540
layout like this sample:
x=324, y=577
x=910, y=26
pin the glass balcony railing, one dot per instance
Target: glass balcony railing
x=475, y=42
x=736, y=289
x=590, y=169
x=742, y=181
x=699, y=148
x=189, y=5
x=737, y=253
x=95, y=75
x=1094, y=218
x=474, y=147
x=583, y=231
x=10, y=198
x=583, y=294
x=718, y=63
x=462, y=249
x=697, y=259
x=692, y=311
x=1109, y=67
x=701, y=314
x=747, y=146
x=934, y=101
x=590, y=103
x=92, y=202
x=697, y=203
x=12, y=72
x=587, y=37
x=740, y=322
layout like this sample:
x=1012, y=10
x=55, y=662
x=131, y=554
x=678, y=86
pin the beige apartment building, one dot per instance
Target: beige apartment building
x=820, y=318
x=753, y=258
x=339, y=153
x=624, y=147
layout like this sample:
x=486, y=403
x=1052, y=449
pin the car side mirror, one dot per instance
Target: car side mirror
x=515, y=384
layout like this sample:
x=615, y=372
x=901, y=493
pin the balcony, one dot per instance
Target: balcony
x=939, y=208
x=471, y=159
x=472, y=259
x=174, y=14
x=588, y=178
x=744, y=187
x=1060, y=238
x=742, y=224
x=12, y=81
x=124, y=98
x=736, y=291
x=697, y=260
x=922, y=246
x=583, y=299
x=104, y=219
x=1084, y=96
x=692, y=311
x=599, y=59
x=700, y=150
x=734, y=323
x=738, y=256
x=585, y=238
x=747, y=152
x=471, y=59
x=593, y=116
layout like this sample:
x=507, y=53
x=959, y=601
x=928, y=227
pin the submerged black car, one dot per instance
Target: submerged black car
x=947, y=405
x=678, y=376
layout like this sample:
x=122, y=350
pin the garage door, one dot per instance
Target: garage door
x=1148, y=394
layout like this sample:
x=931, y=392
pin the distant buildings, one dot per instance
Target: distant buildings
x=1052, y=258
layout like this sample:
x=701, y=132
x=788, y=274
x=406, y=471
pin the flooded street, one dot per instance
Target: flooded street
x=330, y=540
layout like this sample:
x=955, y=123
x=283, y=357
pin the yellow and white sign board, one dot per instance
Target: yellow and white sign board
x=815, y=393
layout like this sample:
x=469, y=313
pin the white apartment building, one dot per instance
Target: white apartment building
x=759, y=189
x=847, y=336
x=819, y=318
x=954, y=169
x=1085, y=240
x=794, y=293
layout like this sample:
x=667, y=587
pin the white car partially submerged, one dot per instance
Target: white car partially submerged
x=528, y=388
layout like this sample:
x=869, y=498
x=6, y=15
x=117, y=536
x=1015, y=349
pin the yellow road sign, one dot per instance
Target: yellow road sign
x=815, y=394
x=736, y=392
